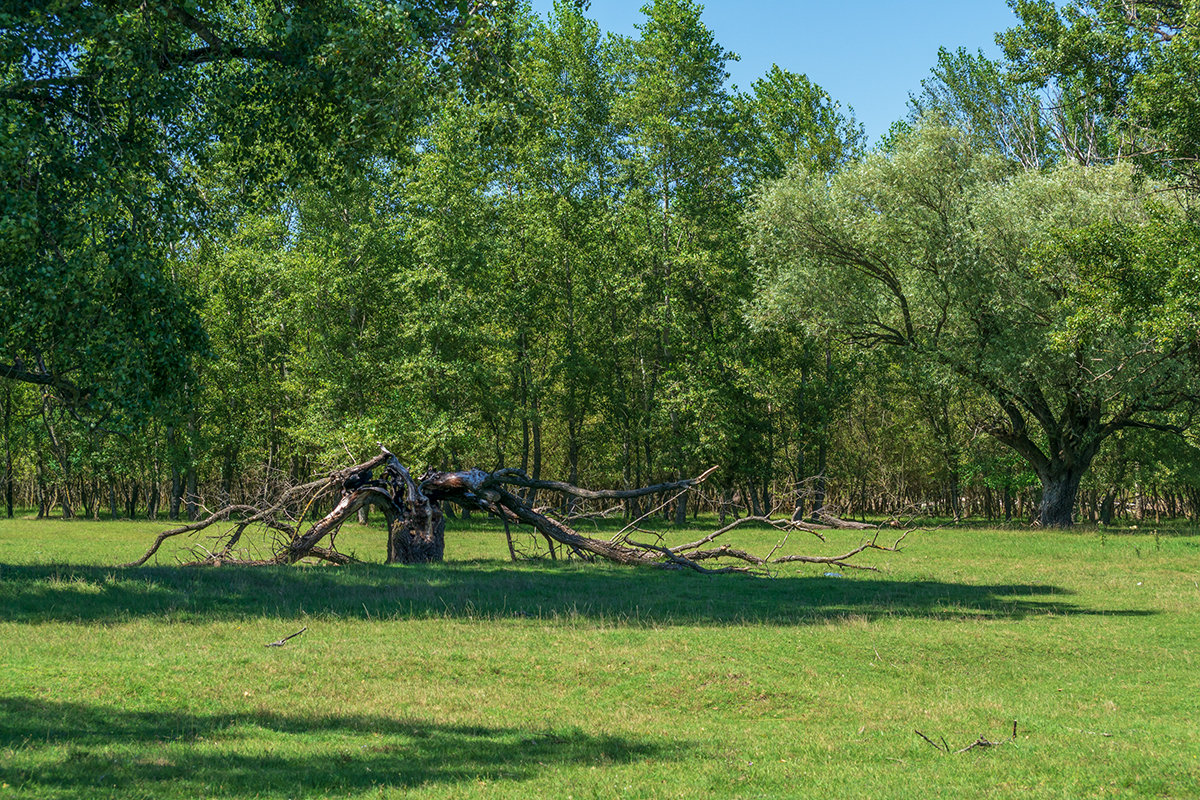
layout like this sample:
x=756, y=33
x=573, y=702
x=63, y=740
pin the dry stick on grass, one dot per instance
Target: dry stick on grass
x=980, y=742
x=280, y=642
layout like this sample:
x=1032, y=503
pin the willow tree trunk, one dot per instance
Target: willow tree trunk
x=1060, y=489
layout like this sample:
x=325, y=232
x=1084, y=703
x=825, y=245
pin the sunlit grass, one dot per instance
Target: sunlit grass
x=478, y=678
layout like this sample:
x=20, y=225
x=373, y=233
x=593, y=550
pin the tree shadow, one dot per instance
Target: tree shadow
x=64, y=750
x=491, y=589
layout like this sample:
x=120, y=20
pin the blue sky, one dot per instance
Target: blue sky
x=868, y=54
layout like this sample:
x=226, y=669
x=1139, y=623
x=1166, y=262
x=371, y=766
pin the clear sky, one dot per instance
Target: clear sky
x=868, y=54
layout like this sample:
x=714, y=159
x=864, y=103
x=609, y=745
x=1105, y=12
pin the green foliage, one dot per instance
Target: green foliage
x=931, y=250
x=792, y=120
x=115, y=122
x=1144, y=278
x=979, y=97
x=487, y=238
x=1126, y=72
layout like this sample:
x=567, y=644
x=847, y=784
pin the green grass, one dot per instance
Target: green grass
x=478, y=678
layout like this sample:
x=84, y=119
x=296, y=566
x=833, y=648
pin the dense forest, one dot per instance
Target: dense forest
x=243, y=243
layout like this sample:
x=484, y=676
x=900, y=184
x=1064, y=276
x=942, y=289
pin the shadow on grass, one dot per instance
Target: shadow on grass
x=61, y=750
x=488, y=589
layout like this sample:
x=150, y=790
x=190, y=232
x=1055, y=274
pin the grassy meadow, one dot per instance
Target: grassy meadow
x=480, y=678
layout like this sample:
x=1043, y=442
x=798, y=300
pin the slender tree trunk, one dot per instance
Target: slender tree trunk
x=752, y=504
x=572, y=460
x=627, y=472
x=85, y=499
x=823, y=436
x=190, y=478
x=799, y=473
x=819, y=483
x=8, y=481
x=8, y=457
x=227, y=464
x=153, y=481
x=175, y=500
x=1107, y=506
x=537, y=450
x=132, y=503
x=41, y=487
x=955, y=492
x=60, y=453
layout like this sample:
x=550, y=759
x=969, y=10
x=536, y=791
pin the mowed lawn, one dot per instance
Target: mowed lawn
x=480, y=678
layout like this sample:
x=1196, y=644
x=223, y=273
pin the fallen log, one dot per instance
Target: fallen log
x=416, y=524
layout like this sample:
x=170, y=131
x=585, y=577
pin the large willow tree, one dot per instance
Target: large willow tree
x=997, y=279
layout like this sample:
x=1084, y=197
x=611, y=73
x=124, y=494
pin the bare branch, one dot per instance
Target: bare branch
x=415, y=521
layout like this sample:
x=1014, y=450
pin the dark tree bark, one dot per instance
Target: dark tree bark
x=1060, y=490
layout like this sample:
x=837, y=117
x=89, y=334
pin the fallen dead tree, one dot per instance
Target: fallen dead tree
x=416, y=524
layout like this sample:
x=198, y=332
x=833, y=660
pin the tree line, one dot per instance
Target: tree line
x=247, y=242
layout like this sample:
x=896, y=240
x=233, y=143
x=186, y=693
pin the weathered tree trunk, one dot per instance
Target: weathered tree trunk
x=1060, y=488
x=417, y=538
